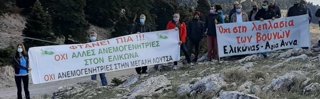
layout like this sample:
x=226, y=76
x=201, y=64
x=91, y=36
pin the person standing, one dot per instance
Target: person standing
x=221, y=17
x=275, y=8
x=195, y=34
x=265, y=13
x=210, y=26
x=141, y=27
x=93, y=38
x=318, y=15
x=299, y=8
x=239, y=16
x=21, y=68
x=235, y=4
x=253, y=12
x=182, y=27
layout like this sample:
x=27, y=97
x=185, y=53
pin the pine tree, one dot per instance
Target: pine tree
x=68, y=18
x=38, y=26
x=203, y=6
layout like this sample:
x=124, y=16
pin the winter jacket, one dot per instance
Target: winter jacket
x=265, y=14
x=182, y=30
x=17, y=66
x=210, y=24
x=138, y=27
x=195, y=30
x=318, y=13
x=222, y=19
x=244, y=17
x=232, y=12
x=298, y=9
x=252, y=14
x=276, y=10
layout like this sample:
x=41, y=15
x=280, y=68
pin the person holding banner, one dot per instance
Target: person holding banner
x=239, y=16
x=141, y=27
x=195, y=34
x=182, y=27
x=210, y=27
x=93, y=38
x=253, y=12
x=299, y=8
x=21, y=68
x=235, y=4
x=265, y=12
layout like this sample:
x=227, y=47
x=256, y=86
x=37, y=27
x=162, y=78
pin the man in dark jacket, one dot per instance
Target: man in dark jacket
x=195, y=34
x=265, y=12
x=299, y=8
x=141, y=27
x=275, y=8
x=210, y=27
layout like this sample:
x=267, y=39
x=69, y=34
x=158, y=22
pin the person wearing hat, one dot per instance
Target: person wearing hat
x=299, y=8
x=239, y=16
x=253, y=12
x=265, y=12
x=195, y=34
x=140, y=27
x=93, y=38
x=235, y=4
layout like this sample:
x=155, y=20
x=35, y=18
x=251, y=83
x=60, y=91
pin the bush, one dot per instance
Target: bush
x=235, y=75
x=6, y=56
x=117, y=81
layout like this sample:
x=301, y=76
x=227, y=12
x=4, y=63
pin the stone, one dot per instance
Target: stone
x=130, y=81
x=236, y=95
x=211, y=84
x=247, y=67
x=249, y=88
x=184, y=89
x=312, y=88
x=301, y=57
x=292, y=52
x=250, y=58
x=153, y=85
x=285, y=82
x=79, y=89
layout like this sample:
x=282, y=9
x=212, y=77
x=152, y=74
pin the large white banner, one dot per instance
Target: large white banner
x=53, y=63
x=263, y=36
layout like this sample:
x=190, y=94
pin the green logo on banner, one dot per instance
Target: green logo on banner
x=161, y=36
x=46, y=52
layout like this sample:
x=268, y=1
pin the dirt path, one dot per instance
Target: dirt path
x=37, y=90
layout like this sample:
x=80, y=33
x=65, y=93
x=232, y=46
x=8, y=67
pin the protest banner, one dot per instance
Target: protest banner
x=263, y=36
x=53, y=63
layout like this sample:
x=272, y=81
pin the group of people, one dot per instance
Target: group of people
x=191, y=33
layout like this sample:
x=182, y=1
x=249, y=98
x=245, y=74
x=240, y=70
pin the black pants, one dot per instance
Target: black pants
x=194, y=45
x=141, y=70
x=25, y=80
x=184, y=49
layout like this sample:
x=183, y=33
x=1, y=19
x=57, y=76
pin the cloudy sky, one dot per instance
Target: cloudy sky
x=315, y=1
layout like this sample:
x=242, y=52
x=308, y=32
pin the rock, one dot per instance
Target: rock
x=306, y=82
x=292, y=52
x=286, y=82
x=246, y=87
x=312, y=88
x=79, y=89
x=301, y=57
x=153, y=85
x=251, y=58
x=203, y=58
x=236, y=95
x=211, y=84
x=131, y=80
x=247, y=67
x=184, y=89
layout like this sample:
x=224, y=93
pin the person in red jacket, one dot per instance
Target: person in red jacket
x=176, y=24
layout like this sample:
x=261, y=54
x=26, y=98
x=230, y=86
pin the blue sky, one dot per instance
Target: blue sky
x=314, y=1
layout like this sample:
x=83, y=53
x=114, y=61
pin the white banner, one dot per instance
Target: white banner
x=53, y=63
x=263, y=36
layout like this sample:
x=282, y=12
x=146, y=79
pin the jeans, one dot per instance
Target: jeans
x=184, y=49
x=102, y=77
x=194, y=45
x=141, y=70
x=25, y=80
